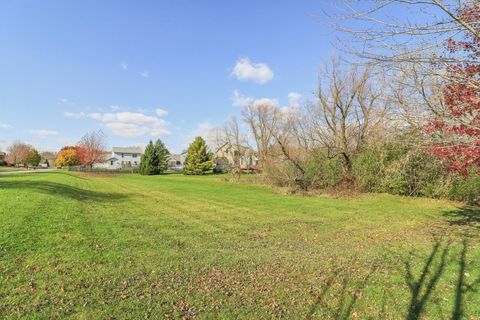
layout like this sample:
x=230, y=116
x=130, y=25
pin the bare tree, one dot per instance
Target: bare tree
x=262, y=118
x=348, y=112
x=406, y=30
x=18, y=153
x=293, y=144
x=92, y=146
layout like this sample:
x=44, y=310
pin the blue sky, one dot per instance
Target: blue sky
x=70, y=67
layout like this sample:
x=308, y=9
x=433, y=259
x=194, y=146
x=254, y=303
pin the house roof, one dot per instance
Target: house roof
x=127, y=150
x=243, y=149
x=2, y=153
x=175, y=157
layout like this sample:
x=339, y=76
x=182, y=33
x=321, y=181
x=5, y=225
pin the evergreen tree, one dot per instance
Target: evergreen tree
x=162, y=153
x=149, y=161
x=34, y=158
x=199, y=159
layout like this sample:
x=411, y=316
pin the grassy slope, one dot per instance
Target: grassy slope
x=176, y=246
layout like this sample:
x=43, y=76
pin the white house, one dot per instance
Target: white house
x=225, y=156
x=122, y=157
x=176, y=161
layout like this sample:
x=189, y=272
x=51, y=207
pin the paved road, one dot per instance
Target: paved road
x=27, y=171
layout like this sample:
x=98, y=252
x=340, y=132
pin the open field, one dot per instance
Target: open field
x=130, y=247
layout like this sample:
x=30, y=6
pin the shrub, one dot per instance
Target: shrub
x=417, y=174
x=466, y=189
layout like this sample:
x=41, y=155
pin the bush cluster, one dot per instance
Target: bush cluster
x=382, y=169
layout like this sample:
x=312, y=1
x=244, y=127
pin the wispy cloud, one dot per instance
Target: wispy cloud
x=145, y=74
x=76, y=115
x=240, y=100
x=115, y=107
x=124, y=65
x=245, y=70
x=42, y=133
x=5, y=126
x=64, y=101
x=160, y=112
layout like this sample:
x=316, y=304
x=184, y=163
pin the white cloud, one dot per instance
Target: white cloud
x=265, y=101
x=258, y=72
x=294, y=99
x=161, y=112
x=132, y=124
x=5, y=126
x=240, y=100
x=130, y=130
x=145, y=74
x=64, y=101
x=128, y=117
x=115, y=107
x=124, y=66
x=76, y=115
x=41, y=133
x=204, y=130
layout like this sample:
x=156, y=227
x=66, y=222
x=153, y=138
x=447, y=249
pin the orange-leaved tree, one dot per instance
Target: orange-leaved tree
x=68, y=156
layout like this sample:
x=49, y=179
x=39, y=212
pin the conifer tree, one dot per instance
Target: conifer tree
x=199, y=159
x=34, y=158
x=162, y=154
x=149, y=161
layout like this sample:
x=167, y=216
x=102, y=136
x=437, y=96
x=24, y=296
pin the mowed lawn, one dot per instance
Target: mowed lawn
x=174, y=246
x=8, y=169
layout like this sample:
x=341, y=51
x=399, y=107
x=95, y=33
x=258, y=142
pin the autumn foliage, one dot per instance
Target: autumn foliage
x=88, y=151
x=460, y=126
x=68, y=156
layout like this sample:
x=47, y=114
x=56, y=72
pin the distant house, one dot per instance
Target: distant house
x=176, y=161
x=224, y=158
x=121, y=157
x=47, y=159
x=3, y=155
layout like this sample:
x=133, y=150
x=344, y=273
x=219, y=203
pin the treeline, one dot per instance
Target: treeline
x=21, y=154
x=404, y=118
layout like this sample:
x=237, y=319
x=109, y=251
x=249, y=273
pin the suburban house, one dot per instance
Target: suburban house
x=3, y=155
x=121, y=157
x=176, y=161
x=47, y=159
x=224, y=158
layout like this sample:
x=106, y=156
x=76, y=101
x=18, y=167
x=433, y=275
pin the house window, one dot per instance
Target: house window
x=111, y=163
x=134, y=155
x=178, y=163
x=122, y=155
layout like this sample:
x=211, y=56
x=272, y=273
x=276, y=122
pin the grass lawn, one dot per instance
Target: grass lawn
x=131, y=247
x=7, y=169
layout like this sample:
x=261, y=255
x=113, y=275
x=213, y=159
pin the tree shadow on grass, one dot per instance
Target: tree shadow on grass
x=422, y=287
x=468, y=216
x=346, y=301
x=64, y=190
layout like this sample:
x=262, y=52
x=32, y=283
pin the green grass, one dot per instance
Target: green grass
x=8, y=169
x=131, y=247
